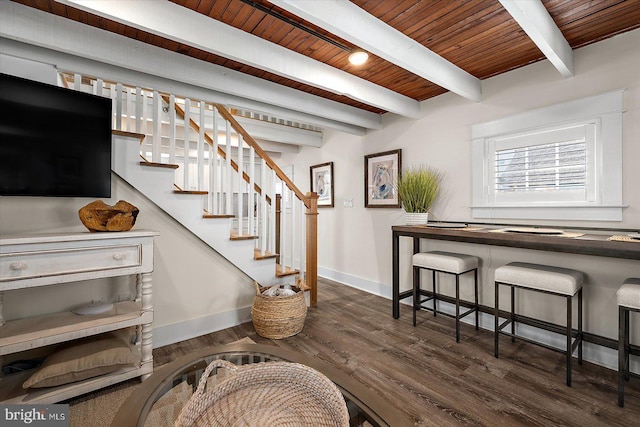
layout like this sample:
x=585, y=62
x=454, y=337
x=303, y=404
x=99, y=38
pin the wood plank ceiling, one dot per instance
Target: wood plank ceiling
x=479, y=36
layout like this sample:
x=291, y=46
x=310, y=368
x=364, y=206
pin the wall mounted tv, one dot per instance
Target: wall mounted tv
x=53, y=141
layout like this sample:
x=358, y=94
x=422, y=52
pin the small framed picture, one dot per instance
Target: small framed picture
x=322, y=183
x=381, y=173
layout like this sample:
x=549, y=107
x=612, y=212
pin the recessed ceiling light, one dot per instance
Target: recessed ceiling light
x=358, y=57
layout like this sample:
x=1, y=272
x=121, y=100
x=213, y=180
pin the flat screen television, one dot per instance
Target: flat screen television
x=53, y=141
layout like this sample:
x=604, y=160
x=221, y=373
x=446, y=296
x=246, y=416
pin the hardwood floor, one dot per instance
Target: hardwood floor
x=433, y=380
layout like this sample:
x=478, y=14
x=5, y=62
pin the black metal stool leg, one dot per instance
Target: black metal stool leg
x=496, y=311
x=457, y=308
x=580, y=326
x=416, y=292
x=513, y=314
x=475, y=281
x=622, y=350
x=433, y=282
x=569, y=346
x=627, y=346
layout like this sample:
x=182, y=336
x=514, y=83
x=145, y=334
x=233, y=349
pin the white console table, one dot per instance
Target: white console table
x=49, y=260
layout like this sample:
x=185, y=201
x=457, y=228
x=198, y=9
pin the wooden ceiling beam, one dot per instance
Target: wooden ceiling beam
x=535, y=20
x=175, y=22
x=349, y=22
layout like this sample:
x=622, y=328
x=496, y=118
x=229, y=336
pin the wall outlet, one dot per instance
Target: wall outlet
x=348, y=203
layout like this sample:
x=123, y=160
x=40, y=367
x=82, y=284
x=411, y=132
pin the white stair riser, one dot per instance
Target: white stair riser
x=157, y=185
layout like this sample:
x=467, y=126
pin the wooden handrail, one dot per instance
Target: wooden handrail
x=250, y=141
x=310, y=201
x=221, y=152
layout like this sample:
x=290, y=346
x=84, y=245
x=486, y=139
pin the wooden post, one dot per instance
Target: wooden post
x=312, y=246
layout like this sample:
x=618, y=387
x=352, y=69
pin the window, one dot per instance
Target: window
x=559, y=162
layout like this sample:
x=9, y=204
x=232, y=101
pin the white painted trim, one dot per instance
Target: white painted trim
x=578, y=213
x=605, y=111
x=352, y=23
x=177, y=23
x=601, y=104
x=263, y=130
x=29, y=33
x=535, y=20
x=369, y=286
x=176, y=332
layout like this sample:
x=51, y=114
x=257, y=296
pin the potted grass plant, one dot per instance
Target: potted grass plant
x=418, y=188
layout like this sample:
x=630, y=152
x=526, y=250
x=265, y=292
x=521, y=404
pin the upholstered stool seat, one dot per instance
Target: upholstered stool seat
x=445, y=261
x=628, y=300
x=449, y=263
x=541, y=278
x=629, y=294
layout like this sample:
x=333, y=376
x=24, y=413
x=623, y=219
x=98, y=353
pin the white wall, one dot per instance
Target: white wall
x=355, y=243
x=195, y=290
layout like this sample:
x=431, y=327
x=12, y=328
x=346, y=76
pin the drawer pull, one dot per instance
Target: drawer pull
x=119, y=257
x=18, y=265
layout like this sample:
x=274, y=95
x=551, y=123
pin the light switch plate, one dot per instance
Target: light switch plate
x=348, y=203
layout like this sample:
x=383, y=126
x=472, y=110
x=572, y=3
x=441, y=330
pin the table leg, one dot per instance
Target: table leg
x=395, y=284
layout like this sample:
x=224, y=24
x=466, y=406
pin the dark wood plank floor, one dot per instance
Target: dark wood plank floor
x=436, y=382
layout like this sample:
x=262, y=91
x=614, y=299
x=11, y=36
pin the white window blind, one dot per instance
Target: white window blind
x=549, y=167
x=546, y=165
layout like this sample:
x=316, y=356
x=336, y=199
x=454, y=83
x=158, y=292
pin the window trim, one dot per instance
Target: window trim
x=605, y=110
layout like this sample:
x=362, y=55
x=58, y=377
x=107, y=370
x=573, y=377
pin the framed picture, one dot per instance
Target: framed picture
x=322, y=183
x=381, y=172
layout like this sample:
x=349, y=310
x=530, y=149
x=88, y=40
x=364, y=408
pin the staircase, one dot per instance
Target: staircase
x=194, y=161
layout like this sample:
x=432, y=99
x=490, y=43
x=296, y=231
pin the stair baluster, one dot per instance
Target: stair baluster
x=214, y=189
x=186, y=151
x=139, y=109
x=285, y=225
x=156, y=124
x=228, y=183
x=200, y=146
x=172, y=130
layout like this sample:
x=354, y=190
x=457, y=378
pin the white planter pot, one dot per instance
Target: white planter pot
x=414, y=218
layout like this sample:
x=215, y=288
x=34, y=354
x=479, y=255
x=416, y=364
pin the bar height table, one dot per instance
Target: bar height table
x=587, y=244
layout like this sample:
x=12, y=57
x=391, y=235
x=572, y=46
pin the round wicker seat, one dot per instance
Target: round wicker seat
x=275, y=394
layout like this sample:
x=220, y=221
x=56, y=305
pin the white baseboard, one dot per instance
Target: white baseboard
x=356, y=282
x=593, y=353
x=169, y=334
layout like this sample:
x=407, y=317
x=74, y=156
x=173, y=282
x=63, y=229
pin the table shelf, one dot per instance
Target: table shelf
x=39, y=331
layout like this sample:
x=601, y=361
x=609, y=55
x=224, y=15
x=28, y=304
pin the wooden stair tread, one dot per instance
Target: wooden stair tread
x=236, y=236
x=159, y=165
x=258, y=254
x=288, y=271
x=208, y=215
x=201, y=192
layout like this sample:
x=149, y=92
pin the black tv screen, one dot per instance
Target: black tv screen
x=53, y=141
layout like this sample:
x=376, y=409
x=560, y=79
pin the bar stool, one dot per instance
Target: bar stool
x=541, y=278
x=628, y=300
x=449, y=263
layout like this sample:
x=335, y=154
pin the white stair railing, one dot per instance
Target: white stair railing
x=201, y=137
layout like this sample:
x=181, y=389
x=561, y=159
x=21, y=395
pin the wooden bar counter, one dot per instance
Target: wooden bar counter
x=594, y=242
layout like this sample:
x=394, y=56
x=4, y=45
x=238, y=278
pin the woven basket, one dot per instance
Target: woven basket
x=279, y=316
x=274, y=394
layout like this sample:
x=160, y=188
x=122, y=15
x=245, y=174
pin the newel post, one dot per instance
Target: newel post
x=312, y=246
